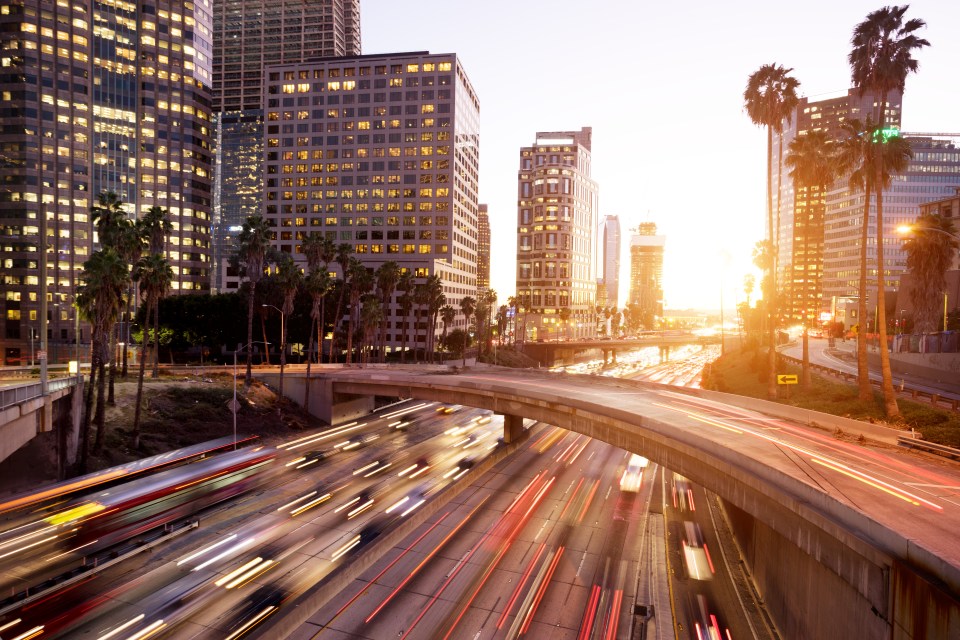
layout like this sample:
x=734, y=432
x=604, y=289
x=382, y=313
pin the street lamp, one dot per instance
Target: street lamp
x=234, y=407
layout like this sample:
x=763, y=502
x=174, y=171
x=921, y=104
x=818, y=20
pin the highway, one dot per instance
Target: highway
x=843, y=357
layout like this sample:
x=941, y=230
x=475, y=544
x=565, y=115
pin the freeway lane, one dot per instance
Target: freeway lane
x=544, y=545
x=808, y=470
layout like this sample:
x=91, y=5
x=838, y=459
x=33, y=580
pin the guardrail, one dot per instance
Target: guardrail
x=935, y=399
x=10, y=396
x=929, y=447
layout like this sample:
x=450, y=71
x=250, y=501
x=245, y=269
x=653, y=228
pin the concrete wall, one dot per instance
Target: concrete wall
x=60, y=411
x=942, y=367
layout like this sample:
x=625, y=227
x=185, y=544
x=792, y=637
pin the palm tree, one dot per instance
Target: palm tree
x=254, y=239
x=565, y=314
x=289, y=279
x=501, y=323
x=371, y=317
x=154, y=274
x=880, y=60
x=317, y=284
x=155, y=226
x=467, y=306
x=361, y=281
x=388, y=274
x=749, y=282
x=108, y=218
x=435, y=301
x=319, y=249
x=930, y=249
x=512, y=302
x=421, y=302
x=770, y=99
x=812, y=160
x=859, y=155
x=489, y=300
x=447, y=315
x=341, y=257
x=100, y=297
x=406, y=286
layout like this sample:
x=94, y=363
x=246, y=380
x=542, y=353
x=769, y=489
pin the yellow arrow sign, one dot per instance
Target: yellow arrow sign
x=787, y=378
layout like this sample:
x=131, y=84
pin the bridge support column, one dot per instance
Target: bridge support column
x=512, y=428
x=664, y=353
x=606, y=354
x=330, y=406
x=614, y=356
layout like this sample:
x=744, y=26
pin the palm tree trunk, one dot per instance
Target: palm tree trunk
x=156, y=341
x=805, y=367
x=126, y=317
x=889, y=394
x=266, y=343
x=283, y=355
x=101, y=406
x=320, y=328
x=306, y=382
x=248, y=380
x=350, y=327
x=771, y=306
x=113, y=362
x=135, y=443
x=403, y=340
x=336, y=319
x=863, y=370
x=88, y=406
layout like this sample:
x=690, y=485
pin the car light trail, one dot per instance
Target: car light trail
x=121, y=628
x=360, y=509
x=257, y=619
x=236, y=572
x=541, y=591
x=329, y=433
x=311, y=504
x=346, y=504
x=397, y=504
x=236, y=547
x=149, y=631
x=213, y=546
x=339, y=553
x=519, y=589
x=412, y=508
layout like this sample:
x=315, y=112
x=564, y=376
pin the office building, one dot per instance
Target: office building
x=610, y=243
x=932, y=174
x=646, y=273
x=249, y=35
x=98, y=97
x=381, y=152
x=483, y=249
x=557, y=228
x=800, y=234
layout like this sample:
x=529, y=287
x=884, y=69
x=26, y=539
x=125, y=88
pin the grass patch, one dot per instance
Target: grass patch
x=742, y=372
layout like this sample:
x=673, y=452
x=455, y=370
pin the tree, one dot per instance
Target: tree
x=489, y=301
x=457, y=342
x=467, y=306
x=100, y=298
x=254, y=242
x=565, y=314
x=860, y=153
x=407, y=287
x=880, y=59
x=770, y=99
x=361, y=281
x=155, y=226
x=319, y=250
x=447, y=314
x=289, y=279
x=749, y=282
x=812, y=160
x=930, y=249
x=154, y=274
x=318, y=284
x=371, y=317
x=342, y=258
x=435, y=300
x=387, y=275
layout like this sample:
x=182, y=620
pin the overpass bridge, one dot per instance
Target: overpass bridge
x=841, y=540
x=550, y=353
x=26, y=412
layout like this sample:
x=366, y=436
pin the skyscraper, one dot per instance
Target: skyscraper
x=557, y=228
x=98, y=97
x=932, y=174
x=483, y=249
x=611, y=259
x=800, y=234
x=381, y=152
x=646, y=272
x=249, y=35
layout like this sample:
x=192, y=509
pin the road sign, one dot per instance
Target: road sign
x=787, y=378
x=233, y=405
x=41, y=355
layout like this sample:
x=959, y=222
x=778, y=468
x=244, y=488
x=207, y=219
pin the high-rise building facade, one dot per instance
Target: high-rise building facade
x=97, y=97
x=381, y=152
x=249, y=35
x=800, y=233
x=932, y=174
x=646, y=272
x=557, y=228
x=610, y=242
x=483, y=249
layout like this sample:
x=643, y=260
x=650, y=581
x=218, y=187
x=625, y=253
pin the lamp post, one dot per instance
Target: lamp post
x=283, y=343
x=234, y=406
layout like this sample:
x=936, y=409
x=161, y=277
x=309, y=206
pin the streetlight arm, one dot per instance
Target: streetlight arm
x=909, y=229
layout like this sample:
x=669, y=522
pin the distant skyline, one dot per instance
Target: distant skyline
x=671, y=142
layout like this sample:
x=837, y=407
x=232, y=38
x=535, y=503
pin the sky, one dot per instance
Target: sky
x=661, y=83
